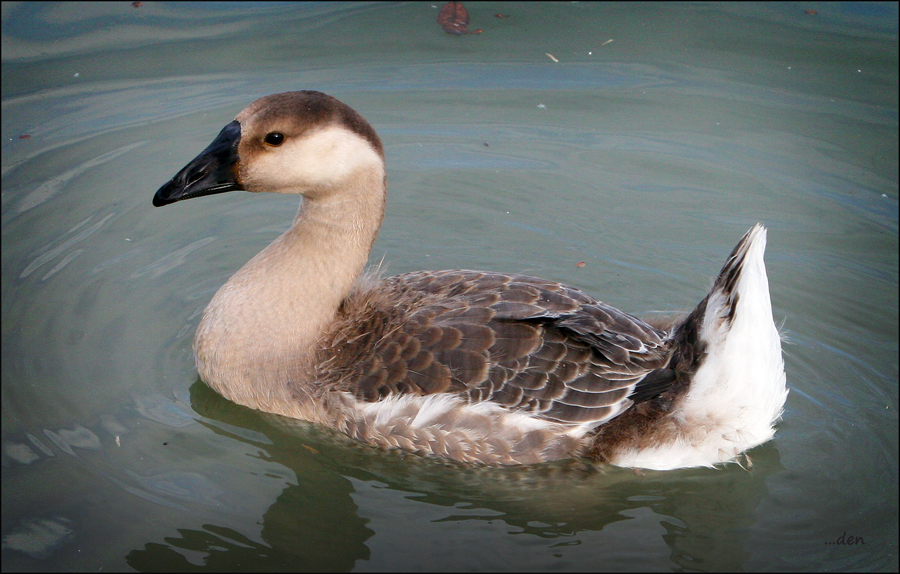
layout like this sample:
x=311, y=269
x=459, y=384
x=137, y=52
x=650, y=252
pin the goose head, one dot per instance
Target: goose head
x=304, y=142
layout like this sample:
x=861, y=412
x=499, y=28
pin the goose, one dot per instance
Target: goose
x=472, y=366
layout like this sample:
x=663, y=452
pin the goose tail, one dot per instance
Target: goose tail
x=738, y=389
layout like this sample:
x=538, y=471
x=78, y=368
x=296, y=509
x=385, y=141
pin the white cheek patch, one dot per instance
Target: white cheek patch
x=321, y=159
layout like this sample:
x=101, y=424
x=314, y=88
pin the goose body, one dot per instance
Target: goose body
x=472, y=366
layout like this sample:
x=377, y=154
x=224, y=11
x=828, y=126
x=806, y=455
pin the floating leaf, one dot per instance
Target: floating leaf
x=454, y=19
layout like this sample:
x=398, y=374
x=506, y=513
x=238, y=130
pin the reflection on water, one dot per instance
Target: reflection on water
x=644, y=158
x=312, y=525
x=326, y=520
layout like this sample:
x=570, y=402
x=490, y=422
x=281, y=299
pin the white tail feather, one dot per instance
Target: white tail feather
x=739, y=390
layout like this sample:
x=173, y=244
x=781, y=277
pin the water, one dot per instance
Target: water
x=646, y=158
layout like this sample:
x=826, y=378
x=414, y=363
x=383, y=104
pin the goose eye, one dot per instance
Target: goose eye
x=274, y=139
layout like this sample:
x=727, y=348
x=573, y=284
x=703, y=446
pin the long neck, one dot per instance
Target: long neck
x=259, y=333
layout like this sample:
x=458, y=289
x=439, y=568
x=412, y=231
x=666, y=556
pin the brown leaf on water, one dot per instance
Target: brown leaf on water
x=498, y=15
x=454, y=19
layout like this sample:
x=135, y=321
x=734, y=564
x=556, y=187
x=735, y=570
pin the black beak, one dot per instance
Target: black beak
x=213, y=171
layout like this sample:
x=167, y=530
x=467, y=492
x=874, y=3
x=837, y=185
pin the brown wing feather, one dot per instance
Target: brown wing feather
x=523, y=343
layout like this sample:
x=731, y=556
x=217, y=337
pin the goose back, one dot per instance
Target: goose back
x=510, y=343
